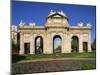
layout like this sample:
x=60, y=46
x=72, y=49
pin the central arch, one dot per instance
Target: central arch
x=57, y=44
x=38, y=45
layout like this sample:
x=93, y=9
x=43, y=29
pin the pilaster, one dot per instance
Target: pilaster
x=89, y=43
x=21, y=43
x=32, y=44
x=80, y=43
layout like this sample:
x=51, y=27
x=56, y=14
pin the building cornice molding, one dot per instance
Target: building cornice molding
x=80, y=28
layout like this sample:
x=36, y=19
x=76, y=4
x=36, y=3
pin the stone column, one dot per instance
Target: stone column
x=89, y=43
x=68, y=43
x=64, y=43
x=44, y=44
x=80, y=44
x=21, y=43
x=32, y=44
x=49, y=49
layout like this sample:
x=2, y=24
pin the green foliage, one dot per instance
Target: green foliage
x=52, y=56
x=58, y=47
x=74, y=44
x=85, y=66
x=94, y=45
x=57, y=50
x=14, y=47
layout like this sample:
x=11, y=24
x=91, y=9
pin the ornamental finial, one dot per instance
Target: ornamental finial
x=89, y=24
x=21, y=23
x=80, y=24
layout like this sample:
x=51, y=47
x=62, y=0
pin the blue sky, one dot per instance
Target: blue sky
x=57, y=41
x=37, y=12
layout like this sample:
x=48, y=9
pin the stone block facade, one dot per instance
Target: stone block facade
x=57, y=25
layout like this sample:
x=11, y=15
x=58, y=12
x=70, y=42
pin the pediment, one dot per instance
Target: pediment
x=56, y=15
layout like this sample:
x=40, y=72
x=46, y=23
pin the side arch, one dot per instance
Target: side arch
x=38, y=45
x=75, y=44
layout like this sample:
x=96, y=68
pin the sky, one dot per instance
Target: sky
x=57, y=42
x=37, y=12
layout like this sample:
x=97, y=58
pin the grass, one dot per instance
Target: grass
x=16, y=58
x=86, y=66
x=67, y=55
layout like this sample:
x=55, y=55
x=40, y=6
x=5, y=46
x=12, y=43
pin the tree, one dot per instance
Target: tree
x=94, y=44
x=58, y=49
x=14, y=47
x=74, y=44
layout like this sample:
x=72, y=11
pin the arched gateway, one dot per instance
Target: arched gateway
x=57, y=46
x=38, y=45
x=56, y=26
x=75, y=44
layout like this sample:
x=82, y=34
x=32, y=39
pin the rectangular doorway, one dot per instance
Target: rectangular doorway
x=27, y=48
x=85, y=46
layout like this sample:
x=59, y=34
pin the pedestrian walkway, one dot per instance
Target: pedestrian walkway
x=50, y=59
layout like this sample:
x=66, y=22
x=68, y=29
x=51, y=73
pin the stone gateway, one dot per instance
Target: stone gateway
x=40, y=39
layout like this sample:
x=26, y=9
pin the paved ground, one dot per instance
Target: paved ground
x=49, y=65
x=49, y=59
